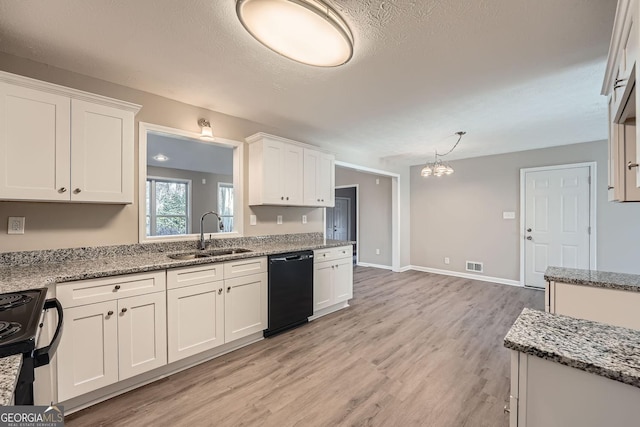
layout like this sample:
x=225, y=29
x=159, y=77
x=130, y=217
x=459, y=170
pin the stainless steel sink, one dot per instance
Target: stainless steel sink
x=208, y=253
x=190, y=255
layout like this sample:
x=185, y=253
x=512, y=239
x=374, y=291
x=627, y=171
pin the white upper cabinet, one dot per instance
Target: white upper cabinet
x=60, y=144
x=34, y=144
x=285, y=172
x=319, y=178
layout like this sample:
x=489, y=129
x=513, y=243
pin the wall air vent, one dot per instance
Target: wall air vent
x=476, y=267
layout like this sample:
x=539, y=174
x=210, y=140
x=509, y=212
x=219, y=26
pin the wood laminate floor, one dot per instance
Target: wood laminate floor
x=414, y=349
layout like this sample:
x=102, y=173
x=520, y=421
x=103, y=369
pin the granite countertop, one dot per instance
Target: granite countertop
x=609, y=351
x=600, y=279
x=9, y=370
x=17, y=278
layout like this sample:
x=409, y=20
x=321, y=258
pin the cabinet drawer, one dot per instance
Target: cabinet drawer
x=188, y=276
x=330, y=254
x=90, y=291
x=245, y=267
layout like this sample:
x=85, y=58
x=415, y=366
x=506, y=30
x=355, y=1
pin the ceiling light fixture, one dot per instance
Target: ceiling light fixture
x=207, y=132
x=307, y=31
x=160, y=157
x=438, y=167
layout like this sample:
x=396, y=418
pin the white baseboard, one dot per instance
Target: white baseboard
x=366, y=264
x=403, y=269
x=480, y=277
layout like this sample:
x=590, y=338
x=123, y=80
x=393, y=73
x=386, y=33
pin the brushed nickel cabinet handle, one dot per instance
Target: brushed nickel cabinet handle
x=110, y=313
x=62, y=190
x=632, y=165
x=117, y=287
x=124, y=310
x=610, y=187
x=506, y=409
x=219, y=291
x=77, y=190
x=529, y=238
x=228, y=289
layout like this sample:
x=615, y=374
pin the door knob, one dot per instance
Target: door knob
x=529, y=238
x=528, y=230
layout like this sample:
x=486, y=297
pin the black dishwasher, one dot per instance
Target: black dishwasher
x=290, y=291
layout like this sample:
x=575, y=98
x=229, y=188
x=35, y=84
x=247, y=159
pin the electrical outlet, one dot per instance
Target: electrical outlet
x=15, y=225
x=252, y=220
x=304, y=219
x=377, y=251
x=447, y=260
x=377, y=181
x=279, y=220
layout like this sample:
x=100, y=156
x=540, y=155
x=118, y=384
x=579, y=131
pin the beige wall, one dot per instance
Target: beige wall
x=460, y=216
x=59, y=225
x=374, y=220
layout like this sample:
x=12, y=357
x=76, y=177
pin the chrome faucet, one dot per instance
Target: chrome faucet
x=201, y=244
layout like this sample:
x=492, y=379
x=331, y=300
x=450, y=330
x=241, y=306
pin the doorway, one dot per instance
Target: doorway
x=342, y=220
x=557, y=215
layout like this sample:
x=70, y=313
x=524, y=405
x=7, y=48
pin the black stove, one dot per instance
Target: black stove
x=20, y=314
x=21, y=317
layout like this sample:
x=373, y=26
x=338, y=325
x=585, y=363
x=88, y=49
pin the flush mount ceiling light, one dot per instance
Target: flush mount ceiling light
x=307, y=31
x=438, y=167
x=160, y=157
x=207, y=132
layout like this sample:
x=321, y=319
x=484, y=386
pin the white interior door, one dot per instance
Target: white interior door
x=556, y=222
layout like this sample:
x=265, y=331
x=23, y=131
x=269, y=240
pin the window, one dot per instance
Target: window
x=225, y=205
x=168, y=206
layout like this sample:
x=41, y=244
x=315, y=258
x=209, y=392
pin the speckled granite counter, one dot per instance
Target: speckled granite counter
x=609, y=351
x=37, y=269
x=9, y=370
x=600, y=279
x=134, y=259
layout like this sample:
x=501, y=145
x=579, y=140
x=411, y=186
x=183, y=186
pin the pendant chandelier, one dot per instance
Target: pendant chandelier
x=438, y=167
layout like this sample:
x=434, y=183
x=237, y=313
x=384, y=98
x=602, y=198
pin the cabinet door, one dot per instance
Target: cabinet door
x=195, y=317
x=142, y=333
x=88, y=351
x=272, y=172
x=322, y=285
x=631, y=190
x=292, y=179
x=311, y=174
x=615, y=188
x=101, y=153
x=245, y=306
x=343, y=280
x=326, y=180
x=34, y=144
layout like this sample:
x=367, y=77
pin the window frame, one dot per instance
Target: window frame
x=152, y=198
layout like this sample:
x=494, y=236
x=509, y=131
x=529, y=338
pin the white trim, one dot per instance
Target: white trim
x=368, y=264
x=357, y=187
x=395, y=207
x=43, y=86
x=238, y=185
x=403, y=269
x=261, y=135
x=593, y=174
x=329, y=310
x=189, y=198
x=479, y=277
x=622, y=10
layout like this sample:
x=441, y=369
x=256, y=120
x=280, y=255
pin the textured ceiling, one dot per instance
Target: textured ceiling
x=514, y=74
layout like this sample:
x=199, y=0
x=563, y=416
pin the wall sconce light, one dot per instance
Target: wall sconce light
x=207, y=132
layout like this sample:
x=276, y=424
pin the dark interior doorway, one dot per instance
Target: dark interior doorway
x=342, y=220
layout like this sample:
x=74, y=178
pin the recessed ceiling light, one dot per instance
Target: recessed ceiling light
x=160, y=157
x=307, y=31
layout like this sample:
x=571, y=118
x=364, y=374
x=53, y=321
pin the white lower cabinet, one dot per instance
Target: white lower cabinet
x=216, y=304
x=113, y=338
x=547, y=394
x=332, y=278
x=611, y=306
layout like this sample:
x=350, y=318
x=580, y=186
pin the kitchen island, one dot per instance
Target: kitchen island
x=572, y=372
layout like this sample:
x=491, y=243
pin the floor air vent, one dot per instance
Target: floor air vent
x=476, y=267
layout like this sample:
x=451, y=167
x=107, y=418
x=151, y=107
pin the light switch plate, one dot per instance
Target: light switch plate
x=15, y=225
x=304, y=219
x=279, y=219
x=508, y=215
